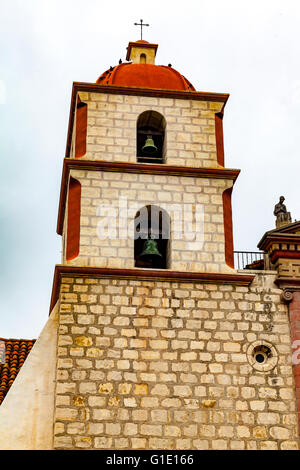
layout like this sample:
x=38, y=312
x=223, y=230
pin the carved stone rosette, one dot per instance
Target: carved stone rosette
x=287, y=295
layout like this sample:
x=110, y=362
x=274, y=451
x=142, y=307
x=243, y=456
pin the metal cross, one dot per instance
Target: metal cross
x=141, y=25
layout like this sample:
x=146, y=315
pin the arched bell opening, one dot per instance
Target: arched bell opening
x=150, y=141
x=151, y=238
x=143, y=59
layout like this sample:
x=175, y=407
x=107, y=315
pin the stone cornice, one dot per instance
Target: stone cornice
x=124, y=90
x=92, y=165
x=290, y=228
x=270, y=237
x=289, y=254
x=144, y=274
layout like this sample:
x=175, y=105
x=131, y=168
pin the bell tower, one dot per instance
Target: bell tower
x=143, y=136
x=154, y=349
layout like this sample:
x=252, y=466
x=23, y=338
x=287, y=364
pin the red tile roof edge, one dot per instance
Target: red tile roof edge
x=12, y=356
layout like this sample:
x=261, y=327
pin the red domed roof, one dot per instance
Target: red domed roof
x=145, y=76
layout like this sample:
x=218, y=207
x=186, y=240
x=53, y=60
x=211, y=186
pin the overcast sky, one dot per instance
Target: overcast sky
x=247, y=49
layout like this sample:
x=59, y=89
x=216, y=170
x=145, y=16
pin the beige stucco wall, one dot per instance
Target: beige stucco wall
x=198, y=247
x=190, y=128
x=26, y=414
x=168, y=365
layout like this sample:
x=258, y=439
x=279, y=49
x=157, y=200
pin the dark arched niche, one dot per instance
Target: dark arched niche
x=151, y=224
x=151, y=125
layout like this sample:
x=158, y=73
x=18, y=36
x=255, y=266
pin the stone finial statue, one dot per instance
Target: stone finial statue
x=282, y=216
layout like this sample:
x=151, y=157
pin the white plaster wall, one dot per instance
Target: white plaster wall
x=26, y=414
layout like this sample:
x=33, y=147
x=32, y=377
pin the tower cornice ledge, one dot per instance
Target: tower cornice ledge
x=144, y=274
x=127, y=167
x=125, y=90
x=159, y=92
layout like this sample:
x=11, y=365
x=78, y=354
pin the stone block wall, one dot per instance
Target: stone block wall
x=190, y=195
x=166, y=365
x=111, y=128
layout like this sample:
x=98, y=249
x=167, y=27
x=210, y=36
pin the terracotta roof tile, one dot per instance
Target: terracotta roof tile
x=13, y=353
x=145, y=76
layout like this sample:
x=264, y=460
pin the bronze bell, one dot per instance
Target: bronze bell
x=149, y=146
x=150, y=249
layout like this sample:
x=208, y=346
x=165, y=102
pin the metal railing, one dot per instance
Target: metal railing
x=249, y=260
